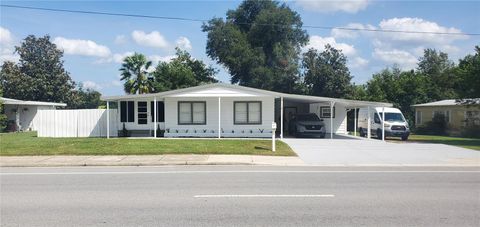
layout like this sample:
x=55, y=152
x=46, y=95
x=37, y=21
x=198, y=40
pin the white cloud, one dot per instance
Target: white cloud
x=184, y=43
x=81, y=47
x=403, y=59
x=350, y=34
x=117, y=83
x=418, y=24
x=326, y=6
x=152, y=39
x=358, y=62
x=91, y=85
x=116, y=58
x=157, y=58
x=319, y=43
x=120, y=39
x=7, y=48
x=403, y=48
x=5, y=36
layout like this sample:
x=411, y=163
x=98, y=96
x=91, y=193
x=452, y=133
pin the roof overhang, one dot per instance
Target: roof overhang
x=346, y=102
x=229, y=90
x=7, y=101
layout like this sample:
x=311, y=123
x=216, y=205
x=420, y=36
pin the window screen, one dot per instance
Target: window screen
x=192, y=113
x=249, y=112
x=142, y=113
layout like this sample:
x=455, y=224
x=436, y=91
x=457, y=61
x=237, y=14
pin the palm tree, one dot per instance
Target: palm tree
x=136, y=75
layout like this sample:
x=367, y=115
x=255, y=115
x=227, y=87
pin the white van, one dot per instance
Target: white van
x=395, y=123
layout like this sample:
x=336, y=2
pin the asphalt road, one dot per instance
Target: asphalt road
x=239, y=196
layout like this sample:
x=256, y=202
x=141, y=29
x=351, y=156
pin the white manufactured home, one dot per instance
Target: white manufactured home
x=23, y=114
x=223, y=110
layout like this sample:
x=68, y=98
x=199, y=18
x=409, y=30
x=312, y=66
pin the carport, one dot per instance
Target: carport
x=333, y=111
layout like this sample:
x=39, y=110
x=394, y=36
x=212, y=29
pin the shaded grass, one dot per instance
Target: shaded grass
x=29, y=144
x=469, y=143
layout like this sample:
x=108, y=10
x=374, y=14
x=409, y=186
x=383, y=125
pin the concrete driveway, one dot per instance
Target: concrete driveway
x=351, y=151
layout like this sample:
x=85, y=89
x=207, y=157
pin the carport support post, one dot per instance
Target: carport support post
x=331, y=119
x=219, y=115
x=354, y=122
x=383, y=123
x=368, y=124
x=155, y=117
x=108, y=119
x=281, y=117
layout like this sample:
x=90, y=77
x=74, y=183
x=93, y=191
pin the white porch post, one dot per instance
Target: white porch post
x=355, y=121
x=108, y=119
x=331, y=119
x=369, y=123
x=281, y=117
x=383, y=123
x=17, y=119
x=219, y=117
x=155, y=117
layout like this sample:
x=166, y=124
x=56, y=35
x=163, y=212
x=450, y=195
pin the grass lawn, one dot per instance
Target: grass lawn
x=29, y=144
x=469, y=143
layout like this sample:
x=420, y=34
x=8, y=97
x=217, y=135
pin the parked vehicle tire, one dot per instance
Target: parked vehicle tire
x=362, y=134
x=404, y=138
x=379, y=134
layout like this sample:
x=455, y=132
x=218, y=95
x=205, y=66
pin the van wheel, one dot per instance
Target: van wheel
x=379, y=134
x=362, y=134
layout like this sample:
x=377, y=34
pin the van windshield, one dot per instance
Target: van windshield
x=308, y=117
x=393, y=117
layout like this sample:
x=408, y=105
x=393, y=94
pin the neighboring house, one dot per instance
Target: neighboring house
x=224, y=110
x=22, y=113
x=457, y=115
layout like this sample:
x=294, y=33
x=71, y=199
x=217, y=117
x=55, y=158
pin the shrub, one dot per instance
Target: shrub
x=438, y=126
x=471, y=131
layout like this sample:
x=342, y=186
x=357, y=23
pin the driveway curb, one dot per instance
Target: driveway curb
x=147, y=160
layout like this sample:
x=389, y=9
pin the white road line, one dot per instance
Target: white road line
x=233, y=171
x=262, y=196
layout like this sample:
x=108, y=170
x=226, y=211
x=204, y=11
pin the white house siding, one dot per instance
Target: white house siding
x=227, y=121
x=27, y=115
x=340, y=120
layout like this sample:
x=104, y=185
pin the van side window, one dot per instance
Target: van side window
x=376, y=119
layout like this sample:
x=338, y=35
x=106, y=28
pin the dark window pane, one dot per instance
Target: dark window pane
x=142, y=121
x=131, y=111
x=161, y=112
x=123, y=111
x=142, y=115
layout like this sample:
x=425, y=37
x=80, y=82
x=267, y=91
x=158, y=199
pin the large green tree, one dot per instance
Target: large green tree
x=439, y=71
x=183, y=71
x=3, y=116
x=259, y=43
x=39, y=75
x=326, y=73
x=469, y=75
x=86, y=98
x=135, y=73
x=402, y=88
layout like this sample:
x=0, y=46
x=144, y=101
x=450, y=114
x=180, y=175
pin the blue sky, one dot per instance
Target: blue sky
x=94, y=45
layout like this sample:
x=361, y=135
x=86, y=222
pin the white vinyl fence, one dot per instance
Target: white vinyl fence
x=75, y=123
